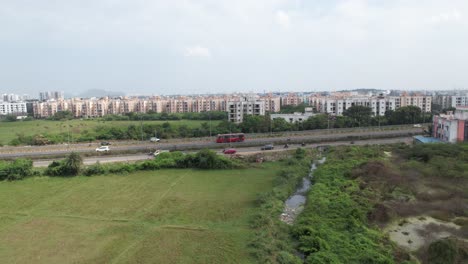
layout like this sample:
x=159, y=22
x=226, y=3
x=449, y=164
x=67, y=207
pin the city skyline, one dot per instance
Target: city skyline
x=207, y=47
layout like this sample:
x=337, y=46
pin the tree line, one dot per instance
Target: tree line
x=356, y=116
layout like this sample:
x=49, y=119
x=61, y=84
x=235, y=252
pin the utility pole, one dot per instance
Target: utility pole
x=141, y=127
x=68, y=129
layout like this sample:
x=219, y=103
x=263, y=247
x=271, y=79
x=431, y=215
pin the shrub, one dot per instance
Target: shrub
x=94, y=169
x=16, y=170
x=70, y=166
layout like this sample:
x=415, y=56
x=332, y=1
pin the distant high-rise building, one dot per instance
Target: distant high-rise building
x=56, y=95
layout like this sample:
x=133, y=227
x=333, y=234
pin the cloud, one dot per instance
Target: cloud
x=197, y=51
x=282, y=18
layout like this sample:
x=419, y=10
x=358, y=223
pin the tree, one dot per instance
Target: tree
x=279, y=124
x=360, y=114
x=10, y=118
x=405, y=115
x=72, y=164
x=62, y=115
x=289, y=109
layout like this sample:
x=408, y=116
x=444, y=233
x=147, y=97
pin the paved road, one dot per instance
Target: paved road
x=240, y=151
x=312, y=137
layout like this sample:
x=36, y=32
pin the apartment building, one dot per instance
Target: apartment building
x=49, y=95
x=457, y=101
x=444, y=101
x=292, y=99
x=378, y=104
x=245, y=106
x=272, y=103
x=451, y=127
x=7, y=108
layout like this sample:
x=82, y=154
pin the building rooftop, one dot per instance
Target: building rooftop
x=426, y=140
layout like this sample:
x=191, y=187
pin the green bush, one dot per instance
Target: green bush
x=94, y=169
x=16, y=170
x=443, y=251
x=70, y=166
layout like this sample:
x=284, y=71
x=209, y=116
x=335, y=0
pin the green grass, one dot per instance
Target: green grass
x=9, y=130
x=166, y=216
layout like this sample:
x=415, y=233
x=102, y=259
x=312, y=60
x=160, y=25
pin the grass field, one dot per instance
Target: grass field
x=9, y=130
x=167, y=216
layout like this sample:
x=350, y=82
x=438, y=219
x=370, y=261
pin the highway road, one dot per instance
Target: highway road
x=240, y=151
x=314, y=136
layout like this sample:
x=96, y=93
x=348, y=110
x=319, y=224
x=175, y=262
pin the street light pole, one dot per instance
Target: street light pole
x=209, y=116
x=141, y=127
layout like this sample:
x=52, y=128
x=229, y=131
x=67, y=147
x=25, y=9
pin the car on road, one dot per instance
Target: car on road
x=155, y=139
x=103, y=149
x=229, y=151
x=105, y=143
x=417, y=125
x=268, y=147
x=155, y=153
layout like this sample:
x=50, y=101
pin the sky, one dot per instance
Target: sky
x=216, y=46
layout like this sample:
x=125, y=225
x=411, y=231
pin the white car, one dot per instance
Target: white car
x=417, y=125
x=103, y=149
x=154, y=139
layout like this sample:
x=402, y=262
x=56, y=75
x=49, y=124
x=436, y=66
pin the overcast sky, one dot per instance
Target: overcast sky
x=211, y=46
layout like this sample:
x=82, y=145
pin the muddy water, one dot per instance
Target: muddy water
x=295, y=203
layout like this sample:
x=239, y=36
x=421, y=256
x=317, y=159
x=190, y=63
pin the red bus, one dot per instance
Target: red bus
x=227, y=138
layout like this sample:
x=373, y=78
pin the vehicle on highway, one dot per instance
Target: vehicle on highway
x=229, y=151
x=268, y=147
x=103, y=149
x=105, y=143
x=228, y=138
x=155, y=139
x=352, y=142
x=417, y=125
x=157, y=152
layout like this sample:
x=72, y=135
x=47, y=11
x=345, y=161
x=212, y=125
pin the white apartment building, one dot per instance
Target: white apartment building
x=7, y=108
x=379, y=105
x=246, y=106
x=457, y=101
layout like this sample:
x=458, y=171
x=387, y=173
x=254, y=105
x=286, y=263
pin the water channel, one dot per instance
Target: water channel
x=295, y=203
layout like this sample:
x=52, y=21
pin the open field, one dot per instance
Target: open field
x=166, y=216
x=9, y=130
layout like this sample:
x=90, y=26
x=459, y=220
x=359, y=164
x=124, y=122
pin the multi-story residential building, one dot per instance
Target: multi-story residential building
x=245, y=106
x=378, y=104
x=56, y=95
x=457, y=101
x=451, y=127
x=444, y=101
x=272, y=103
x=423, y=102
x=292, y=99
x=7, y=108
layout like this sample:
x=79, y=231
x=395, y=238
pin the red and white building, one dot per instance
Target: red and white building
x=452, y=127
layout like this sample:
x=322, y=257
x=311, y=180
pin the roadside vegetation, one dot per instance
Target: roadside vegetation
x=72, y=165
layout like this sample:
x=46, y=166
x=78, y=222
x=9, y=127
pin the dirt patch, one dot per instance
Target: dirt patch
x=416, y=232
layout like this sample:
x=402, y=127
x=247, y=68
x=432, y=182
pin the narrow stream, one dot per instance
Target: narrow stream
x=295, y=203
